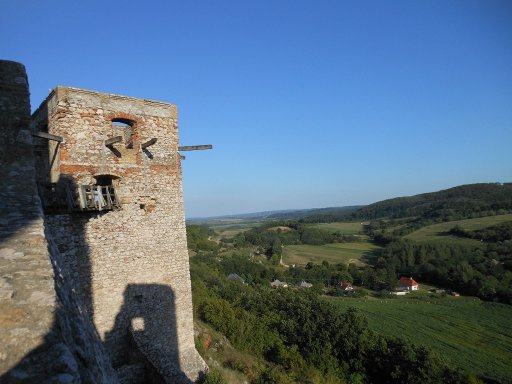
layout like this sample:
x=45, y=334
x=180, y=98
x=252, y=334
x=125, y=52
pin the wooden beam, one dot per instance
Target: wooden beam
x=48, y=136
x=195, y=147
x=113, y=140
x=148, y=143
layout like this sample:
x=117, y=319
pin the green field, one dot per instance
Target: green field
x=333, y=253
x=350, y=228
x=439, y=232
x=468, y=332
x=231, y=231
x=231, y=227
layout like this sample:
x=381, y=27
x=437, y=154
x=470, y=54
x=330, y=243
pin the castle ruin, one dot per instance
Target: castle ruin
x=95, y=282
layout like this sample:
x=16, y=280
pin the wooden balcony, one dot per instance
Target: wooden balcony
x=97, y=198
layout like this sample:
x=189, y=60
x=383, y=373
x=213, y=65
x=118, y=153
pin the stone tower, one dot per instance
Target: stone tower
x=109, y=174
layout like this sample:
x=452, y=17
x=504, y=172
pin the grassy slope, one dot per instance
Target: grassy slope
x=439, y=232
x=333, y=253
x=466, y=331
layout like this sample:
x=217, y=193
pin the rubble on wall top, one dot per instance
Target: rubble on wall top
x=64, y=88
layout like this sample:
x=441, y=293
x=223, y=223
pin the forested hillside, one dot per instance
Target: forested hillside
x=317, y=215
x=465, y=201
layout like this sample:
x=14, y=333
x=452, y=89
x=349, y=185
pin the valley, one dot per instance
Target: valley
x=470, y=255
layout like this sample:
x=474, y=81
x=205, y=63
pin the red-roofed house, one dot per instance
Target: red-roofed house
x=408, y=283
x=345, y=286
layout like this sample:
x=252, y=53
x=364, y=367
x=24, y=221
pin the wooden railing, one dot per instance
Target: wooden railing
x=97, y=197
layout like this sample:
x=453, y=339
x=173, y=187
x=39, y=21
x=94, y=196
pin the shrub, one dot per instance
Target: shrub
x=214, y=377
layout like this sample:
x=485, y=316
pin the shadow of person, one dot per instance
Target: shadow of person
x=145, y=331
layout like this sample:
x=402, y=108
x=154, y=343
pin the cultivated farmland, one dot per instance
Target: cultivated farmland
x=468, y=332
x=346, y=253
x=349, y=228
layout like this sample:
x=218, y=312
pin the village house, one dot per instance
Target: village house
x=345, y=286
x=278, y=284
x=304, y=284
x=408, y=284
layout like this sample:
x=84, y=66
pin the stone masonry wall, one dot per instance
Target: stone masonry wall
x=45, y=335
x=27, y=297
x=131, y=265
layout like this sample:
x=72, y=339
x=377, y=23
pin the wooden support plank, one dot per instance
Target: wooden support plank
x=195, y=147
x=48, y=136
x=113, y=140
x=148, y=143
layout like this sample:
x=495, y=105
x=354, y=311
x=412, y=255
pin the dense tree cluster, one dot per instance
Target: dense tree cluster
x=495, y=233
x=198, y=238
x=484, y=271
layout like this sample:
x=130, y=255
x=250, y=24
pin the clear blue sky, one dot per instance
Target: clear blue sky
x=307, y=103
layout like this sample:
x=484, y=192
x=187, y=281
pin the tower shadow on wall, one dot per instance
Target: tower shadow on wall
x=142, y=346
x=145, y=332
x=143, y=343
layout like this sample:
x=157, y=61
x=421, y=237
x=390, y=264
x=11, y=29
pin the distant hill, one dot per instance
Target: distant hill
x=285, y=214
x=309, y=214
x=465, y=201
x=243, y=216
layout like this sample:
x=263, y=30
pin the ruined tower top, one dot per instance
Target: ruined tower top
x=91, y=139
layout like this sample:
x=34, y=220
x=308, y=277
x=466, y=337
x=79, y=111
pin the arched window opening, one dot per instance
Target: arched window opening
x=106, y=180
x=124, y=128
